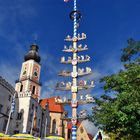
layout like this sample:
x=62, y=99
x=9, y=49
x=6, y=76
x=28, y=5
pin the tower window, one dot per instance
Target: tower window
x=35, y=74
x=21, y=88
x=24, y=72
x=33, y=91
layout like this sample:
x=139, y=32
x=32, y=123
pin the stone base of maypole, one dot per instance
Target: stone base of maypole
x=74, y=132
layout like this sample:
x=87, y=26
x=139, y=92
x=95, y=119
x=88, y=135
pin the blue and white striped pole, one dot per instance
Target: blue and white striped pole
x=74, y=127
x=74, y=112
x=74, y=132
x=75, y=20
x=13, y=105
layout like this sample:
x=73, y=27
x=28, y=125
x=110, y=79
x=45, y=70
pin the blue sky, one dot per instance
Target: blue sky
x=107, y=23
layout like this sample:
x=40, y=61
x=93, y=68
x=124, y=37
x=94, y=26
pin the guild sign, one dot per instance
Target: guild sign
x=81, y=83
x=74, y=121
x=74, y=61
x=74, y=74
x=74, y=103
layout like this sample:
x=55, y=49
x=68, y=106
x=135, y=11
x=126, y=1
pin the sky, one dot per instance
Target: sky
x=108, y=25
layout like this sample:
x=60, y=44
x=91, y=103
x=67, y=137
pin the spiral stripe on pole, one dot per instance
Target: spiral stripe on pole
x=75, y=20
x=74, y=133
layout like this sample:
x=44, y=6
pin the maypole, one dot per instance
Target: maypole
x=75, y=85
x=74, y=93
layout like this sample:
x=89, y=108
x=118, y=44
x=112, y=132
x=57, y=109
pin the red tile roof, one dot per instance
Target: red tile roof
x=53, y=107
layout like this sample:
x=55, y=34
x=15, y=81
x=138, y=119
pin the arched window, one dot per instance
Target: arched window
x=33, y=91
x=21, y=88
x=54, y=126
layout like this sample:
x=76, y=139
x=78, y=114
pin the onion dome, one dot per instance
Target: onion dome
x=33, y=54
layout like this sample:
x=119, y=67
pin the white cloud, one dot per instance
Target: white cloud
x=9, y=72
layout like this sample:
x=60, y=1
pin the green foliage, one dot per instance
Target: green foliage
x=119, y=115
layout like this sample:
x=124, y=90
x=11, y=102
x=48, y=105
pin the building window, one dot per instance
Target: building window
x=69, y=133
x=36, y=108
x=1, y=106
x=9, y=98
x=21, y=88
x=17, y=125
x=81, y=130
x=4, y=125
x=63, y=130
x=54, y=126
x=32, y=106
x=39, y=122
x=19, y=116
x=33, y=91
x=31, y=117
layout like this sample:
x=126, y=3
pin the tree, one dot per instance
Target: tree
x=119, y=114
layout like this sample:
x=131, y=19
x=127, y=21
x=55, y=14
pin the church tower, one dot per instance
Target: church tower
x=28, y=112
x=30, y=74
